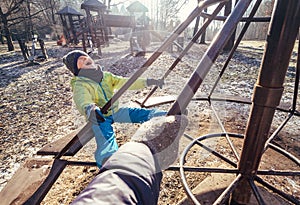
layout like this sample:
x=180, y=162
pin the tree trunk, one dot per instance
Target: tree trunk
x=7, y=34
x=230, y=42
x=203, y=36
x=1, y=35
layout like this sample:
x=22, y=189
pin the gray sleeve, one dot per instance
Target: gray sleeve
x=126, y=178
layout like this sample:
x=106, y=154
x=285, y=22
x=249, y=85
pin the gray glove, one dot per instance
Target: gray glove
x=94, y=114
x=162, y=135
x=159, y=83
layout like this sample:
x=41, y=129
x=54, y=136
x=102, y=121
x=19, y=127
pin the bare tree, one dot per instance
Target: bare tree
x=49, y=8
x=258, y=30
x=24, y=14
x=7, y=9
x=265, y=9
x=1, y=33
x=168, y=11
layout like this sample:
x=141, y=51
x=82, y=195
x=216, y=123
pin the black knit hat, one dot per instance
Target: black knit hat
x=70, y=60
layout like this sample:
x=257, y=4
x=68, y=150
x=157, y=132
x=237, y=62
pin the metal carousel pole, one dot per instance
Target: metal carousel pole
x=268, y=91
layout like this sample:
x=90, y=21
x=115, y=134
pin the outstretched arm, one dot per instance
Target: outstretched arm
x=133, y=174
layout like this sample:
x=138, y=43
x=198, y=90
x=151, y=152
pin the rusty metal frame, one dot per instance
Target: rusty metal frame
x=224, y=196
x=267, y=95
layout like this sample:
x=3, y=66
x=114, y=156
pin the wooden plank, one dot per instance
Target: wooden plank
x=80, y=138
x=32, y=181
x=118, y=20
x=54, y=148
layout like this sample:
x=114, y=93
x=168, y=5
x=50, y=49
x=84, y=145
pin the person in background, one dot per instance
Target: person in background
x=133, y=174
x=92, y=88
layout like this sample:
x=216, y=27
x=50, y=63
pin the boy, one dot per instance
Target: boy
x=92, y=88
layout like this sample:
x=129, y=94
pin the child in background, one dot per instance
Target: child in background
x=92, y=88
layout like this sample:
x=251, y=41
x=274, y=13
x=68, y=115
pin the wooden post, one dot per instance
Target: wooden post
x=65, y=26
x=71, y=29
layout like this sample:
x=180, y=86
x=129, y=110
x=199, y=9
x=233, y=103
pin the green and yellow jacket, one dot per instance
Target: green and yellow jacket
x=87, y=91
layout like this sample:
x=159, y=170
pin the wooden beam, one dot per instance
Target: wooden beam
x=78, y=138
x=32, y=181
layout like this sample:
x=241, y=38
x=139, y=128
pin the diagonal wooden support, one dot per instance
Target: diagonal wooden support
x=32, y=181
x=70, y=144
x=55, y=147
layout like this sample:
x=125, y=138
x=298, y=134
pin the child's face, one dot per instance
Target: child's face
x=86, y=62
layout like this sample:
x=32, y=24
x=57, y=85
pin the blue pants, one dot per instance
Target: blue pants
x=105, y=135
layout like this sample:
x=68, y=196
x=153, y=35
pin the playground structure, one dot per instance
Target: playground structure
x=94, y=30
x=71, y=20
x=268, y=90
